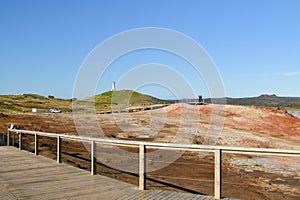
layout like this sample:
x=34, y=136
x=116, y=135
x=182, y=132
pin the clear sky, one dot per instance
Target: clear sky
x=255, y=44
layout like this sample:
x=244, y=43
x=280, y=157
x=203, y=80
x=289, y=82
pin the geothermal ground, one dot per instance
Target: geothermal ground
x=245, y=176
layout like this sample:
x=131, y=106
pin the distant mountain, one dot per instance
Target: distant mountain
x=262, y=100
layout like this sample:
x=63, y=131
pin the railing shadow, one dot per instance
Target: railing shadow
x=155, y=181
x=137, y=176
x=170, y=185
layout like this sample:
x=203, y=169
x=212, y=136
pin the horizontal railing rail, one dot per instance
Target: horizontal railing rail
x=142, y=145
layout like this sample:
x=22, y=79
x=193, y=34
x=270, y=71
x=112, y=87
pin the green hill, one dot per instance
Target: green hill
x=125, y=97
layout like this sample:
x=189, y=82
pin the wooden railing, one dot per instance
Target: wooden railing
x=218, y=151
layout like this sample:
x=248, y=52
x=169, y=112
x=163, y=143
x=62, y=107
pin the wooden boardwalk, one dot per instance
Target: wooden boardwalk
x=26, y=176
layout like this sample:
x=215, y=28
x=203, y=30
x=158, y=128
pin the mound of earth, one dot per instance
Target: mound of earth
x=268, y=123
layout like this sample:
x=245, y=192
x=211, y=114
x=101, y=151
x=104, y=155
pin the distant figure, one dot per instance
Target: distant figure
x=113, y=86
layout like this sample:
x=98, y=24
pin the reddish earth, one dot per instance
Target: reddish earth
x=246, y=177
x=271, y=123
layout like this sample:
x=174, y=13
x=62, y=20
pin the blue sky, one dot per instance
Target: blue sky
x=254, y=44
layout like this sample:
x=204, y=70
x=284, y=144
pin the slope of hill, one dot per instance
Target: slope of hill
x=25, y=102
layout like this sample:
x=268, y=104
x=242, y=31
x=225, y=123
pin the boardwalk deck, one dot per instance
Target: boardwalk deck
x=25, y=176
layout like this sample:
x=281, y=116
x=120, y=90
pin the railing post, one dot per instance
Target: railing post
x=218, y=173
x=36, y=144
x=20, y=141
x=8, y=138
x=58, y=157
x=93, y=157
x=142, y=167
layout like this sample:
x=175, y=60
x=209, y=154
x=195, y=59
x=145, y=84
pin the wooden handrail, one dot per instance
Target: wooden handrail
x=161, y=144
x=218, y=151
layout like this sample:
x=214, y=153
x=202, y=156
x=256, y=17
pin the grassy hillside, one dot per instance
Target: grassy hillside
x=25, y=102
x=124, y=97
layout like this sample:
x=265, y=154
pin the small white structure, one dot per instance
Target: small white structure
x=34, y=110
x=113, y=86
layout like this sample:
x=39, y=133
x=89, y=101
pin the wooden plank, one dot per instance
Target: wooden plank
x=154, y=194
x=137, y=195
x=58, y=146
x=131, y=196
x=20, y=141
x=93, y=157
x=218, y=178
x=8, y=138
x=36, y=144
x=5, y=194
x=64, y=189
x=142, y=168
x=169, y=195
